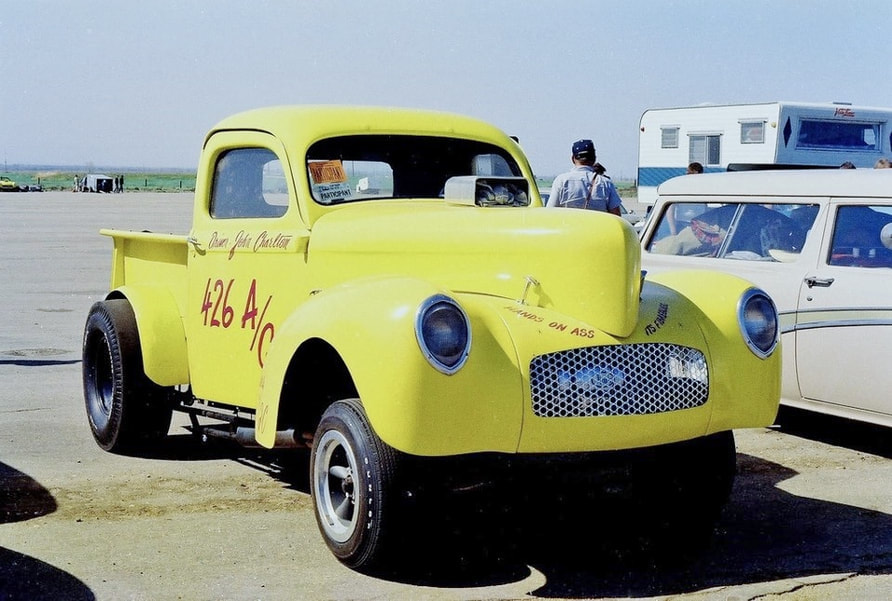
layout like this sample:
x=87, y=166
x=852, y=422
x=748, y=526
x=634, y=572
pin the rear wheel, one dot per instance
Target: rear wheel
x=353, y=475
x=126, y=410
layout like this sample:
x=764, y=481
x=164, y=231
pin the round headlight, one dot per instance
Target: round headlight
x=758, y=322
x=444, y=333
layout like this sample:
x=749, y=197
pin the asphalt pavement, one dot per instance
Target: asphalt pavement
x=810, y=516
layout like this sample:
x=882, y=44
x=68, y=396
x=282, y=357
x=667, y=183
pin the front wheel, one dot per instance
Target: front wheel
x=126, y=410
x=687, y=485
x=353, y=475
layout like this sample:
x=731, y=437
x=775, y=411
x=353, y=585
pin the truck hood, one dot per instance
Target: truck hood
x=585, y=264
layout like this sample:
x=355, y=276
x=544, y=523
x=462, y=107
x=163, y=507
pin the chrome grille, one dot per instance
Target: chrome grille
x=625, y=379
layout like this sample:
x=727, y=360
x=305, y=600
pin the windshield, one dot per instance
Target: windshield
x=747, y=231
x=351, y=168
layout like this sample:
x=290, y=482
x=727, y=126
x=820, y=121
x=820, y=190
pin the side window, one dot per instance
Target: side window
x=838, y=135
x=248, y=182
x=862, y=237
x=669, y=137
x=706, y=149
x=752, y=132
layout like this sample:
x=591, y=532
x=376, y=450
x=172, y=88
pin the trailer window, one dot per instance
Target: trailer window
x=752, y=132
x=706, y=150
x=668, y=137
x=819, y=134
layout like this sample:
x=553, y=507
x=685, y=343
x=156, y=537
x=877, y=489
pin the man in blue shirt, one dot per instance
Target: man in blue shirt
x=583, y=187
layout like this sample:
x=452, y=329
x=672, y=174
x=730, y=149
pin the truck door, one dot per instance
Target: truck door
x=845, y=311
x=246, y=267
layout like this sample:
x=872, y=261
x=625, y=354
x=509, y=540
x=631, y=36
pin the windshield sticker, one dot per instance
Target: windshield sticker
x=329, y=181
x=327, y=172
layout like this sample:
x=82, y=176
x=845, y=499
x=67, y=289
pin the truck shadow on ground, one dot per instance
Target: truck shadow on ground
x=765, y=534
x=589, y=548
x=23, y=577
x=583, y=547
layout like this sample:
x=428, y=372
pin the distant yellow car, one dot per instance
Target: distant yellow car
x=7, y=185
x=385, y=287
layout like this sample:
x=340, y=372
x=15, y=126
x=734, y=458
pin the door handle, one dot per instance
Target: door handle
x=194, y=242
x=812, y=281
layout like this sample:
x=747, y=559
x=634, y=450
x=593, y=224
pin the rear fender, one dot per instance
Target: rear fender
x=162, y=336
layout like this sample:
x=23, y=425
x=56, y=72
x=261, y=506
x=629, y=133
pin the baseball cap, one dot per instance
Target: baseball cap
x=583, y=149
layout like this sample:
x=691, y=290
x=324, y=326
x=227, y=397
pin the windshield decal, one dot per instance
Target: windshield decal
x=329, y=181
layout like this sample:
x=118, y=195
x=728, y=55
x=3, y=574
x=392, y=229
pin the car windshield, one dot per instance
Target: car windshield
x=366, y=167
x=748, y=231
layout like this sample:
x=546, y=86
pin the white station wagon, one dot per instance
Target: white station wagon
x=820, y=243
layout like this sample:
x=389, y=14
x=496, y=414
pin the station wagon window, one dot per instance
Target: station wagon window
x=752, y=132
x=862, y=237
x=818, y=134
x=669, y=137
x=744, y=231
x=705, y=149
x=248, y=182
x=366, y=167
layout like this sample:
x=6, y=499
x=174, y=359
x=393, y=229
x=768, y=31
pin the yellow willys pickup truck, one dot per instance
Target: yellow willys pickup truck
x=384, y=287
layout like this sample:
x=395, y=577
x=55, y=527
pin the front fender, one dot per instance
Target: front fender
x=736, y=369
x=411, y=406
x=162, y=337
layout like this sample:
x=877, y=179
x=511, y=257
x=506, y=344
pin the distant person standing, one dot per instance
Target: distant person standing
x=694, y=168
x=582, y=187
x=883, y=163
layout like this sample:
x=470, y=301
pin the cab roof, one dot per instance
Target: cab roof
x=305, y=124
x=865, y=183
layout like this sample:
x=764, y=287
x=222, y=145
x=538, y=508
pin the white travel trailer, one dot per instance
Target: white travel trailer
x=771, y=135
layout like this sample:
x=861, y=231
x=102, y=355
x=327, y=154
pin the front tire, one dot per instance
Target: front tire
x=353, y=475
x=688, y=485
x=126, y=410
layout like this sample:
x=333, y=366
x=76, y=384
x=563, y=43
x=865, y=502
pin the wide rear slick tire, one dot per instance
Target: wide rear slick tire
x=127, y=412
x=353, y=486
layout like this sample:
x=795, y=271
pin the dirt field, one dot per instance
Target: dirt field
x=810, y=516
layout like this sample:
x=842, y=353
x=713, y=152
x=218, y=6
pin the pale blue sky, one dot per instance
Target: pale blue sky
x=126, y=83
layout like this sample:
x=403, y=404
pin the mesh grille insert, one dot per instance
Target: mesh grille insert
x=631, y=379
